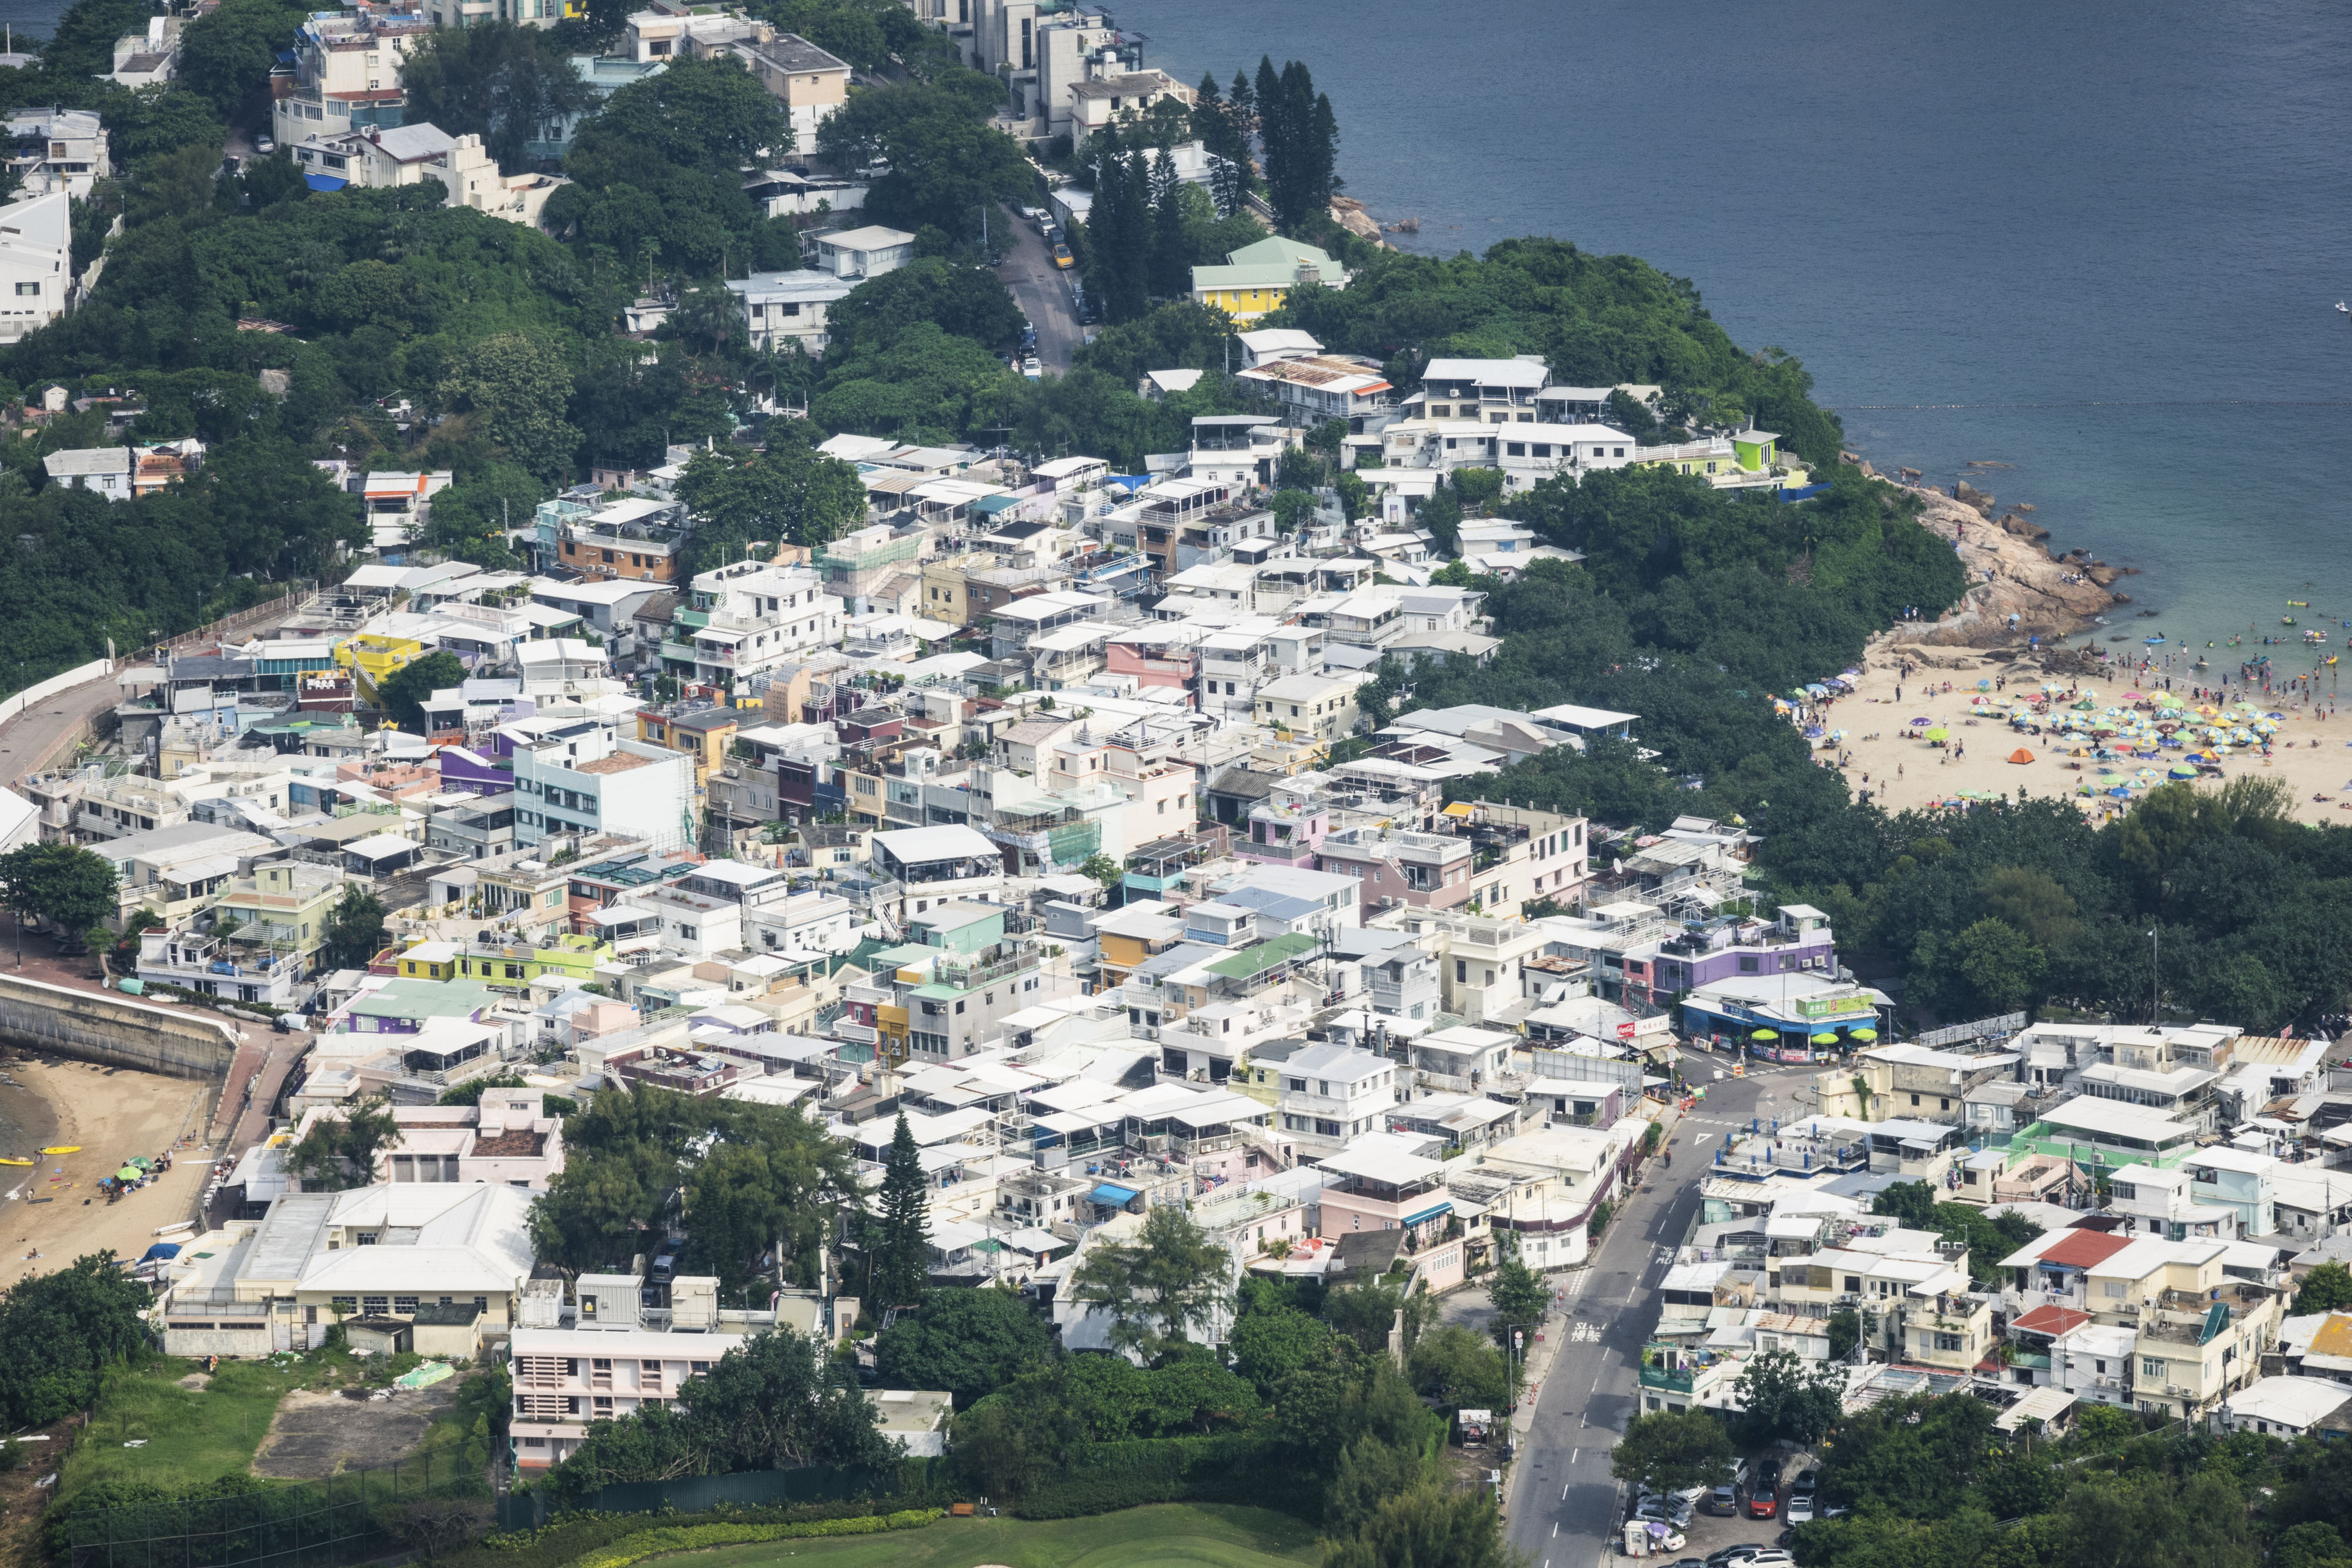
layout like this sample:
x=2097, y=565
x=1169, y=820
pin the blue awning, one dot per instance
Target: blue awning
x=1117, y=1197
x=325, y=182
x=1430, y=1213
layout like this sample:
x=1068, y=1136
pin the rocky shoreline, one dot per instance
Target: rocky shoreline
x=2012, y=574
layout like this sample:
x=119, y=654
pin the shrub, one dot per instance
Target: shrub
x=647, y=1543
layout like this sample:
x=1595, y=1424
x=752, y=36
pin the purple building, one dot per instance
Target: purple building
x=1727, y=948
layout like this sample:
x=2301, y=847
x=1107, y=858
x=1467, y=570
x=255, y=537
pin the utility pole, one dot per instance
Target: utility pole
x=2154, y=958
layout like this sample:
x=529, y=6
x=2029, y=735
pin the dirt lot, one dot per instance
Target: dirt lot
x=317, y=1434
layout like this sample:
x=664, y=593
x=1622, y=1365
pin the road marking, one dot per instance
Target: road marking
x=1596, y=1381
x=1571, y=1459
x=1563, y=1491
x=1555, y=1528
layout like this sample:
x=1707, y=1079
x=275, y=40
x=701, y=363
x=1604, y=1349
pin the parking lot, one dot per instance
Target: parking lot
x=1708, y=1534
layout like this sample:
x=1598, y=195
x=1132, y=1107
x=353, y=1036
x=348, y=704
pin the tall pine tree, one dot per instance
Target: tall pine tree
x=1172, y=259
x=898, y=1241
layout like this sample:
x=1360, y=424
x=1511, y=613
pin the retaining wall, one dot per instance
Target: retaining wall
x=103, y=1027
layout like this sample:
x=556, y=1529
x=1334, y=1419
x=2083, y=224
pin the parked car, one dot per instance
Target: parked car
x=265, y=144
x=1722, y=1501
x=1031, y=369
x=1735, y=1556
x=1671, y=1511
x=1800, y=1508
x=1062, y=257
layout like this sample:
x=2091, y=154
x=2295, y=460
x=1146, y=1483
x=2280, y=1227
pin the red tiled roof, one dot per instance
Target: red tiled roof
x=2084, y=1248
x=2052, y=1320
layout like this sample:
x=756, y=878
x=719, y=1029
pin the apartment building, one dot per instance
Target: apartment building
x=35, y=256
x=1333, y=1094
x=582, y=778
x=1430, y=870
x=58, y=150
x=747, y=619
x=346, y=74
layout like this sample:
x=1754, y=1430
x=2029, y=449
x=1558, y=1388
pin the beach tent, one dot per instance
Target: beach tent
x=2021, y=755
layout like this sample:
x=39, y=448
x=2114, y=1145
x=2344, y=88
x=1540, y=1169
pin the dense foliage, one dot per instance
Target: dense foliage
x=1930, y=1482
x=768, y=1404
x=749, y=1177
x=60, y=1333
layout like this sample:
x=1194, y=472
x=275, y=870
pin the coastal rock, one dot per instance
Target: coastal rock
x=2025, y=582
x=1967, y=495
x=2104, y=576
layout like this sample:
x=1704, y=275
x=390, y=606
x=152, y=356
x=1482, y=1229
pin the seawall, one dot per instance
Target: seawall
x=93, y=1026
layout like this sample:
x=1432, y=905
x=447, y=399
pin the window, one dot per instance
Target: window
x=374, y=1304
x=2152, y=1369
x=28, y=290
x=1915, y=1099
x=1950, y=1342
x=405, y=1305
x=2113, y=1290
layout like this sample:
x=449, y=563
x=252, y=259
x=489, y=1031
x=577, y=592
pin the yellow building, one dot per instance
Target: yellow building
x=373, y=657
x=1258, y=278
x=569, y=956
x=944, y=595
x=703, y=734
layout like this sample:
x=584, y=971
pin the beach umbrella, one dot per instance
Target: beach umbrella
x=1765, y=1034
x=2166, y=699
x=2182, y=771
x=2120, y=794
x=1865, y=1034
x=1939, y=733
x=2086, y=704
x=1825, y=1038
x=2134, y=696
x=128, y=1173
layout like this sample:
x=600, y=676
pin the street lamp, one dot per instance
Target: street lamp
x=2154, y=958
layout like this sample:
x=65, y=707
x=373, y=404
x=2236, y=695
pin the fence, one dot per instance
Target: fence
x=343, y=1519
x=750, y=1489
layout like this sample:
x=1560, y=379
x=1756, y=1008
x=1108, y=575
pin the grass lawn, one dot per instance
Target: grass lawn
x=1164, y=1535
x=191, y=1436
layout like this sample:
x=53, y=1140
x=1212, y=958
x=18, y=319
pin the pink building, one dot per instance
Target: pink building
x=1384, y=1188
x=1162, y=655
x=1428, y=871
x=1285, y=829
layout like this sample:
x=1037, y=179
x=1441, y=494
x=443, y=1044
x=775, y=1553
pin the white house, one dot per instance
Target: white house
x=105, y=469
x=865, y=253
x=58, y=150
x=583, y=779
x=782, y=306
x=36, y=263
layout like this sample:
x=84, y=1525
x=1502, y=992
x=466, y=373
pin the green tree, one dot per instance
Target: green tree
x=1424, y=1527
x=353, y=931
x=62, y=1333
x=227, y=53
x=1101, y=868
x=516, y=384
x=1784, y=1397
x=506, y=83
x=2001, y=968
x=1668, y=1450
x=340, y=1152
x=898, y=1243
x=66, y=887
x=2326, y=1288
x=968, y=1341
x=1520, y=1298
x=1459, y=1369
x=404, y=693
x=788, y=493
x=1157, y=1288
x=1269, y=1346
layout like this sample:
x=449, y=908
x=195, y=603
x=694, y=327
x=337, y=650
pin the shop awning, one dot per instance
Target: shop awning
x=1431, y=1212
x=1117, y=1197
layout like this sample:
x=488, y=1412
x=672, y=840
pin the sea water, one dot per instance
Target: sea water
x=2142, y=208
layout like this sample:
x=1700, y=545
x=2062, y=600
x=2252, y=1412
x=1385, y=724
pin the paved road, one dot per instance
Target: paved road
x=29, y=738
x=1563, y=1503
x=1041, y=290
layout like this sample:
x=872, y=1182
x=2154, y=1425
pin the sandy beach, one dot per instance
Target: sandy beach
x=1902, y=773
x=54, y=1207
